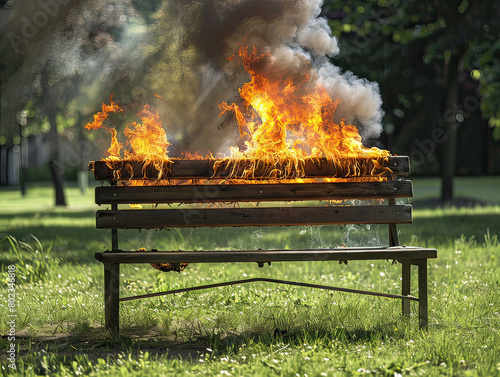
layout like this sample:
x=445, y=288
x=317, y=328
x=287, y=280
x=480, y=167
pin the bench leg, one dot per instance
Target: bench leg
x=405, y=287
x=112, y=297
x=422, y=293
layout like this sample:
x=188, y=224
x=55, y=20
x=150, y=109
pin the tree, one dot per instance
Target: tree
x=430, y=60
x=60, y=56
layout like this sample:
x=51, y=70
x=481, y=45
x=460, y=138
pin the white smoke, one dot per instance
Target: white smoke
x=361, y=102
x=188, y=45
x=300, y=42
x=312, y=37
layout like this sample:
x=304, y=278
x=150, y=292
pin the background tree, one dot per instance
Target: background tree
x=436, y=64
x=430, y=59
x=64, y=59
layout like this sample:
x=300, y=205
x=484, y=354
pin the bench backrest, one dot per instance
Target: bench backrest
x=297, y=211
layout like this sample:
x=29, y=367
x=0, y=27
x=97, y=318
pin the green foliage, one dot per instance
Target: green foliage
x=411, y=49
x=257, y=329
x=489, y=240
x=33, y=263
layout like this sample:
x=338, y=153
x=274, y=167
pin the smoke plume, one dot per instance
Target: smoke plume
x=88, y=49
x=299, y=41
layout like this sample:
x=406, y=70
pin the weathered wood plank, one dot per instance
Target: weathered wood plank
x=179, y=169
x=423, y=314
x=338, y=254
x=112, y=297
x=253, y=193
x=285, y=216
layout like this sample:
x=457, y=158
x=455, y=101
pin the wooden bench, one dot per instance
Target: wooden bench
x=296, y=210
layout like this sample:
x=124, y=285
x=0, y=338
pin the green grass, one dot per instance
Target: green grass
x=479, y=188
x=254, y=329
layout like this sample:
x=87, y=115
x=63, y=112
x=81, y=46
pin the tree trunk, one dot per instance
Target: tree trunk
x=451, y=126
x=57, y=179
x=83, y=173
x=454, y=32
x=56, y=167
x=487, y=147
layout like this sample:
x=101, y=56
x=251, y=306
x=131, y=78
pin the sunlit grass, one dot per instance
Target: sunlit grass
x=479, y=188
x=41, y=197
x=253, y=329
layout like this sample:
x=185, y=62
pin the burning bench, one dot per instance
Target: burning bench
x=179, y=178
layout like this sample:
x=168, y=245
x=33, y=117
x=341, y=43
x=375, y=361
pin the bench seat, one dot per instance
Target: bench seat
x=399, y=253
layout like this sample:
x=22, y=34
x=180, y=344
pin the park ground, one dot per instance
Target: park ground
x=253, y=329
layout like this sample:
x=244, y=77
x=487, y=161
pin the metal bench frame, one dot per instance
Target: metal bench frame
x=389, y=213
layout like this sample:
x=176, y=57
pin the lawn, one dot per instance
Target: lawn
x=254, y=329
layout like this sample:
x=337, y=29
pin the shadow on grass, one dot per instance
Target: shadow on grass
x=441, y=228
x=75, y=242
x=457, y=203
x=98, y=343
x=64, y=233
x=52, y=213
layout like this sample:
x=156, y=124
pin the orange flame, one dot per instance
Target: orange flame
x=147, y=140
x=289, y=122
x=283, y=122
x=99, y=118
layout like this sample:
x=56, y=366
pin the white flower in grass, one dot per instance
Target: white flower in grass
x=323, y=374
x=225, y=372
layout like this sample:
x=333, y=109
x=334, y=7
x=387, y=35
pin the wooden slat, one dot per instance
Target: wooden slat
x=252, y=193
x=263, y=256
x=212, y=168
x=287, y=216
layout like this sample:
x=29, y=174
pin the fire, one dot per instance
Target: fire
x=148, y=140
x=99, y=118
x=289, y=122
x=285, y=122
